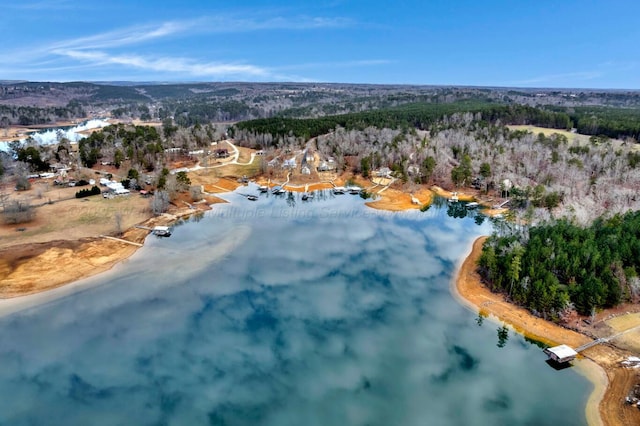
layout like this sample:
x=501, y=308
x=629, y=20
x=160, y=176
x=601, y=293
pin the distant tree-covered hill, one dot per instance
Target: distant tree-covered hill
x=611, y=113
x=420, y=116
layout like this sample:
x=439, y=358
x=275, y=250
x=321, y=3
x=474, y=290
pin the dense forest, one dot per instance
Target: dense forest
x=141, y=144
x=29, y=115
x=420, y=116
x=611, y=122
x=560, y=265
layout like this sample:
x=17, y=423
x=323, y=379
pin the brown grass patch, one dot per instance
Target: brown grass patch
x=76, y=219
x=448, y=194
x=395, y=200
x=245, y=154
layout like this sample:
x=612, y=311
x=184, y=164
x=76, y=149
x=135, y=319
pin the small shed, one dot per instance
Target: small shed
x=561, y=353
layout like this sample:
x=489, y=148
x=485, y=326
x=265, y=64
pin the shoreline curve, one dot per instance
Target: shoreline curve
x=468, y=290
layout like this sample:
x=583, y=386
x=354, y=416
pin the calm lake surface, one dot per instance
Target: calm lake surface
x=281, y=312
x=54, y=134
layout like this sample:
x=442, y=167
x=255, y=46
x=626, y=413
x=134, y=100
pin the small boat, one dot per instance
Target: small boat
x=354, y=190
x=307, y=196
x=454, y=197
x=263, y=189
x=339, y=190
x=162, y=231
x=252, y=197
x=472, y=205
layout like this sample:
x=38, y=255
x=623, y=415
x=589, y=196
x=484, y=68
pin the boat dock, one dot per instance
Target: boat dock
x=162, y=231
x=564, y=353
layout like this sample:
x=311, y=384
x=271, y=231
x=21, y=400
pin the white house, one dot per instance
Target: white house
x=383, y=172
x=117, y=188
x=290, y=163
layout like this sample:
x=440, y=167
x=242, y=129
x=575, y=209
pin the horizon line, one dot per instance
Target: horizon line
x=307, y=83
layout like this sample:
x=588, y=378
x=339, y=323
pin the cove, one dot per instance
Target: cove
x=282, y=312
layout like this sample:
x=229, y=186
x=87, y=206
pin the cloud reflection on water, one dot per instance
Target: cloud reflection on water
x=333, y=321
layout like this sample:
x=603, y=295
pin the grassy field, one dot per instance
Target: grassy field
x=77, y=218
x=574, y=138
x=626, y=322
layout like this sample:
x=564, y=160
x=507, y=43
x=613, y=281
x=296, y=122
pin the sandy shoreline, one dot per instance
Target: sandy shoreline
x=610, y=381
x=26, y=271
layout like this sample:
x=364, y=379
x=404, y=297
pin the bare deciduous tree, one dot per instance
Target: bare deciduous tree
x=18, y=211
x=160, y=202
x=117, y=217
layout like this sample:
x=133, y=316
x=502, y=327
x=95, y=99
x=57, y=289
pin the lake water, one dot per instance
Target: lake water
x=279, y=312
x=55, y=134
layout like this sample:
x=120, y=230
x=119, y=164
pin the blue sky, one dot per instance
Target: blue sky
x=537, y=43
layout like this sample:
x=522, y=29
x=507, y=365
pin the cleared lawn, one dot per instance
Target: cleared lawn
x=623, y=323
x=77, y=218
x=245, y=154
x=572, y=137
x=576, y=138
x=236, y=170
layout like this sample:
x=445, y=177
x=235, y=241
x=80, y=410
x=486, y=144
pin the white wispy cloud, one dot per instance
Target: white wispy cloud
x=205, y=25
x=41, y=5
x=127, y=36
x=337, y=64
x=167, y=64
x=619, y=65
x=568, y=77
x=277, y=23
x=110, y=47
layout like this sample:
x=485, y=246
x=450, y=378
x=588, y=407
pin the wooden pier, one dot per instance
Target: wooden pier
x=121, y=240
x=591, y=344
x=564, y=353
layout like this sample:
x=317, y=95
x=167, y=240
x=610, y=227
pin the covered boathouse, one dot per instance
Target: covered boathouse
x=561, y=353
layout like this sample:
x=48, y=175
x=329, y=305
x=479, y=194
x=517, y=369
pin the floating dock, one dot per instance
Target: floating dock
x=162, y=231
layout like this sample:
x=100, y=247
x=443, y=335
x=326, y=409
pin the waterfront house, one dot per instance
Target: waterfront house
x=383, y=172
